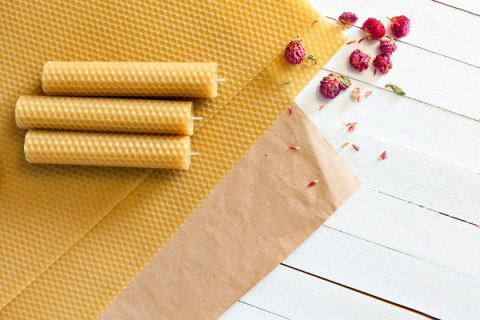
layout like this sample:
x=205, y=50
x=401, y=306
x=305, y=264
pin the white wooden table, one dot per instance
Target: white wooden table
x=406, y=245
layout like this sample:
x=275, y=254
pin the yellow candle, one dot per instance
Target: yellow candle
x=104, y=114
x=148, y=79
x=107, y=149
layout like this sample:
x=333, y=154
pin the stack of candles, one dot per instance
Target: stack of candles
x=114, y=131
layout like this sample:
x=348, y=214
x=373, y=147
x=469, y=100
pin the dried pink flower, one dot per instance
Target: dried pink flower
x=347, y=19
x=383, y=156
x=294, y=148
x=314, y=182
x=356, y=94
x=351, y=126
x=383, y=63
x=356, y=147
x=373, y=28
x=295, y=51
x=400, y=26
x=331, y=85
x=359, y=60
x=368, y=94
x=387, y=45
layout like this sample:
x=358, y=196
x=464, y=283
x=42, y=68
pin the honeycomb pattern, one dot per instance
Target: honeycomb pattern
x=107, y=149
x=101, y=114
x=139, y=79
x=95, y=270
x=45, y=209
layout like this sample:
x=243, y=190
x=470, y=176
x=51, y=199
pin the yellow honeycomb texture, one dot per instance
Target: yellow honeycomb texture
x=107, y=149
x=45, y=209
x=87, y=278
x=137, y=79
x=105, y=114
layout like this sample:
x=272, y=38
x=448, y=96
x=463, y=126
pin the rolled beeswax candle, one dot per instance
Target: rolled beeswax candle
x=148, y=79
x=107, y=149
x=104, y=114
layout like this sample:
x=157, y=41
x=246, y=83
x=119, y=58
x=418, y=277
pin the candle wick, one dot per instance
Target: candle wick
x=197, y=118
x=221, y=80
x=194, y=153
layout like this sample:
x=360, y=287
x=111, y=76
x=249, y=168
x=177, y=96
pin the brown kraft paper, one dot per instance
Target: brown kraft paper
x=258, y=215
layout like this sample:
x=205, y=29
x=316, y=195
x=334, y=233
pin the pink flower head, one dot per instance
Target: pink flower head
x=387, y=45
x=295, y=51
x=331, y=85
x=359, y=60
x=347, y=19
x=383, y=63
x=373, y=28
x=400, y=26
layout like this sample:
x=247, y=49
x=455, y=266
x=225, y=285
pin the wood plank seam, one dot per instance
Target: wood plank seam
x=264, y=310
x=457, y=8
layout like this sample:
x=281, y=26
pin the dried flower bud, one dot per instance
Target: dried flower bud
x=295, y=51
x=347, y=19
x=387, y=45
x=400, y=26
x=383, y=62
x=357, y=148
x=359, y=60
x=314, y=182
x=356, y=94
x=331, y=85
x=373, y=28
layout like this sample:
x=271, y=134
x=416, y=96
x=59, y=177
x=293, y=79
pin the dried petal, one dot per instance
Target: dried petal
x=357, y=148
x=350, y=42
x=286, y=82
x=294, y=148
x=351, y=126
x=345, y=144
x=321, y=107
x=396, y=89
x=356, y=94
x=312, y=58
x=314, y=182
x=383, y=156
x=314, y=22
x=290, y=109
x=368, y=94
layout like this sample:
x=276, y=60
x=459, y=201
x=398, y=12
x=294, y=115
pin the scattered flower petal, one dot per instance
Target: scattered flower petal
x=395, y=88
x=357, y=148
x=350, y=42
x=368, y=94
x=286, y=82
x=314, y=182
x=345, y=144
x=351, y=126
x=294, y=148
x=290, y=109
x=312, y=58
x=356, y=94
x=321, y=107
x=383, y=156
x=314, y=22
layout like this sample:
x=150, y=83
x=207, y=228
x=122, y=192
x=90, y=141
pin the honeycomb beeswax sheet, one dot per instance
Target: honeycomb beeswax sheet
x=45, y=209
x=88, y=277
x=254, y=218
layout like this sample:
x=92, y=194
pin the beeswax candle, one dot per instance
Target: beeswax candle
x=104, y=114
x=107, y=149
x=148, y=79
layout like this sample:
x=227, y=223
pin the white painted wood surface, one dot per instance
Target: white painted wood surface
x=409, y=236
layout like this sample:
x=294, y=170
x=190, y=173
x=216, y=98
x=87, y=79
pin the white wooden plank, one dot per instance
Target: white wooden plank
x=435, y=27
x=296, y=295
x=406, y=174
x=242, y=311
x=388, y=274
x=424, y=75
x=472, y=6
x=406, y=122
x=410, y=229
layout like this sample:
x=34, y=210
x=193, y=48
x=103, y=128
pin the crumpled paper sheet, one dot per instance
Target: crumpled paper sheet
x=45, y=209
x=257, y=215
x=88, y=277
